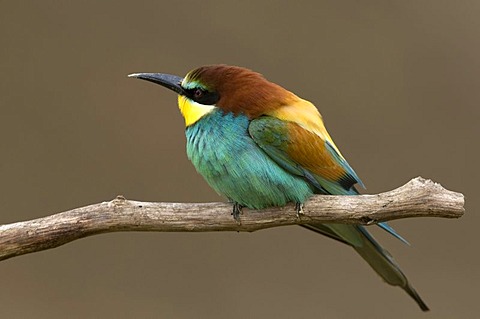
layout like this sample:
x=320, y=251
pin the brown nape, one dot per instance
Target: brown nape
x=242, y=90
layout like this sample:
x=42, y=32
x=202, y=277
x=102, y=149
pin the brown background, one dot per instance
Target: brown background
x=398, y=83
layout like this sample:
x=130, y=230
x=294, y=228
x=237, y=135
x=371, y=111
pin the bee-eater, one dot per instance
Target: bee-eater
x=260, y=145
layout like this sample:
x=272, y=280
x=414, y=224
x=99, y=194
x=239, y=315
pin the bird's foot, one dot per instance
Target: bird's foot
x=237, y=210
x=299, y=209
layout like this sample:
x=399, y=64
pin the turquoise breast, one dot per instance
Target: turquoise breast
x=223, y=152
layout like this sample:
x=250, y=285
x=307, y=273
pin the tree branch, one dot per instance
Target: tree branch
x=417, y=198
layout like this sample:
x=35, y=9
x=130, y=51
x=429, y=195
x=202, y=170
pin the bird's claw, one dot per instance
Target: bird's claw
x=299, y=209
x=237, y=210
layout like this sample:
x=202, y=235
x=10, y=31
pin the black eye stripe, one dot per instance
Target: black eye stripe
x=202, y=96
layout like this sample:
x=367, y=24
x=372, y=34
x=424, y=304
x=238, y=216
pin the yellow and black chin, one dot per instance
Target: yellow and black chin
x=193, y=111
x=196, y=102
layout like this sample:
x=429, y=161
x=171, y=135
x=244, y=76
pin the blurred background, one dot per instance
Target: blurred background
x=396, y=81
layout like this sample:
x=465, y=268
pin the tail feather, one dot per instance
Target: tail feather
x=392, y=232
x=375, y=255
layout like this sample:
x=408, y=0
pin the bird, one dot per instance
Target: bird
x=260, y=145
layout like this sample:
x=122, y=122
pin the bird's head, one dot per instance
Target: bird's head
x=229, y=88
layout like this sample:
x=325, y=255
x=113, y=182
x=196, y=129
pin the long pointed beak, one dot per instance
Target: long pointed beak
x=169, y=81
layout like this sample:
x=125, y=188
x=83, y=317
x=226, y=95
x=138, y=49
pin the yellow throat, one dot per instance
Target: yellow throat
x=191, y=110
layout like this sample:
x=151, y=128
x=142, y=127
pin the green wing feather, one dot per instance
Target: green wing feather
x=281, y=141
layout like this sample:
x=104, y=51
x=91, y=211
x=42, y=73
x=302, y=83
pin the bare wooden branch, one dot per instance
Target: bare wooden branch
x=417, y=198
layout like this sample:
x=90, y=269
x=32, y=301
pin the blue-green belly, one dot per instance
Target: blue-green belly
x=223, y=152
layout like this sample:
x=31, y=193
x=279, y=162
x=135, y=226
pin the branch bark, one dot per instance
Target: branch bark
x=417, y=198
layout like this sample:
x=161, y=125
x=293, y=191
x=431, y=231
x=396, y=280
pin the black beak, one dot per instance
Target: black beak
x=169, y=81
